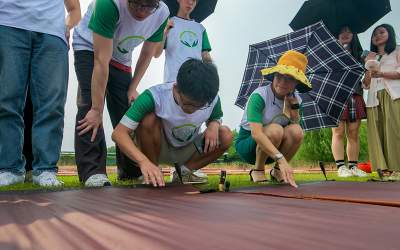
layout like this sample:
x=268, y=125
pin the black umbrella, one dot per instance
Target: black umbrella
x=332, y=71
x=359, y=15
x=203, y=9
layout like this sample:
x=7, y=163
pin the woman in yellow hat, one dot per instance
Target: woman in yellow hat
x=270, y=129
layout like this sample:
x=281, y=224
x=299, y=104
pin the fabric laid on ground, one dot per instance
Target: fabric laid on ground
x=171, y=218
x=374, y=193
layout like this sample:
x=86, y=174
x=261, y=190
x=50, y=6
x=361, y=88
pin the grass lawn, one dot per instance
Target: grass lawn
x=71, y=182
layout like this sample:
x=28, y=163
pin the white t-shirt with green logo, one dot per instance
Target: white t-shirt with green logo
x=112, y=19
x=265, y=108
x=186, y=40
x=179, y=127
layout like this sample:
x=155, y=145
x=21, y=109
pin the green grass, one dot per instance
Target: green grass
x=71, y=182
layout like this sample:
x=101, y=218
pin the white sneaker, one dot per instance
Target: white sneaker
x=47, y=179
x=358, y=172
x=8, y=178
x=188, y=177
x=97, y=180
x=200, y=173
x=344, y=172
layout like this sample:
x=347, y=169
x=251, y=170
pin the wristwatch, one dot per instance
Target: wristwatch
x=295, y=106
x=278, y=156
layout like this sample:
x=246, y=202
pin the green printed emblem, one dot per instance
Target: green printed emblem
x=128, y=43
x=189, y=39
x=185, y=132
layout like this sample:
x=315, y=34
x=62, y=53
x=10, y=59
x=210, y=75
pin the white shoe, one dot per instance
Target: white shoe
x=97, y=180
x=358, y=172
x=8, y=178
x=344, y=172
x=188, y=177
x=47, y=179
x=200, y=173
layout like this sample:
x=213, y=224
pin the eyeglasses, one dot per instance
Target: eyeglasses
x=191, y=105
x=137, y=5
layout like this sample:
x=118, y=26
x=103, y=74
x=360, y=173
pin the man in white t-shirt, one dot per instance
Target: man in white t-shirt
x=103, y=44
x=180, y=110
x=184, y=38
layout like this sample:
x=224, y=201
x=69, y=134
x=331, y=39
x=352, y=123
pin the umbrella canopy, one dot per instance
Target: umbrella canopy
x=332, y=71
x=359, y=15
x=202, y=10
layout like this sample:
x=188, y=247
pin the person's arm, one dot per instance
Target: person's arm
x=268, y=147
x=102, y=55
x=160, y=46
x=206, y=48
x=73, y=17
x=146, y=54
x=211, y=134
x=254, y=114
x=122, y=137
x=391, y=75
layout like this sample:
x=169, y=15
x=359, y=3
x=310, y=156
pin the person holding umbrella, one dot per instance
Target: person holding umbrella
x=270, y=129
x=184, y=38
x=351, y=119
x=383, y=103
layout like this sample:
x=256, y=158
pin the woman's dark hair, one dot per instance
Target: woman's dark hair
x=355, y=45
x=390, y=45
x=198, y=80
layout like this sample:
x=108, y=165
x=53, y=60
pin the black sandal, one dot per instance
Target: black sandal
x=273, y=178
x=251, y=177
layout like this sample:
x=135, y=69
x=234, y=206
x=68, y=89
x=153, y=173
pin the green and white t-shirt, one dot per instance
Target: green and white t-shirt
x=263, y=107
x=186, y=40
x=112, y=19
x=179, y=127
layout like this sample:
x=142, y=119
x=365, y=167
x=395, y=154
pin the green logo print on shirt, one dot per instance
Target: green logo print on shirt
x=128, y=43
x=185, y=132
x=189, y=39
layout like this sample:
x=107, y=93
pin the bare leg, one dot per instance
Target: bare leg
x=148, y=137
x=274, y=132
x=337, y=141
x=353, y=140
x=292, y=138
x=198, y=161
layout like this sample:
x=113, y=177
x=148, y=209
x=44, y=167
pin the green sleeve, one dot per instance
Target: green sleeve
x=104, y=18
x=217, y=113
x=255, y=108
x=206, y=43
x=159, y=34
x=143, y=105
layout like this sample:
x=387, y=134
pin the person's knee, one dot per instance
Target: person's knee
x=352, y=134
x=296, y=132
x=225, y=137
x=338, y=133
x=149, y=123
x=274, y=132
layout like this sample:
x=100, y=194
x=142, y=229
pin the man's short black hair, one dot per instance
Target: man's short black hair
x=198, y=80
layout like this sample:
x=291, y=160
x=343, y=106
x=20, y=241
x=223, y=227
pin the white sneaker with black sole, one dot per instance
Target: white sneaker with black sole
x=344, y=172
x=97, y=180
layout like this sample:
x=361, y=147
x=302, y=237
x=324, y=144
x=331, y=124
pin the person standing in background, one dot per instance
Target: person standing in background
x=383, y=103
x=34, y=36
x=350, y=121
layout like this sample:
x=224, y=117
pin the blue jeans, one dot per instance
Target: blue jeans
x=39, y=61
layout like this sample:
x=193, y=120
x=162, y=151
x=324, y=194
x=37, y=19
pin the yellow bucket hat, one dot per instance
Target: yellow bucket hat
x=292, y=63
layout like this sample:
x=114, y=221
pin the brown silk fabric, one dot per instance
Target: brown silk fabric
x=170, y=218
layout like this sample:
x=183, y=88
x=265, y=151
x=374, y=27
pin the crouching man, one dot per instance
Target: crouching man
x=166, y=120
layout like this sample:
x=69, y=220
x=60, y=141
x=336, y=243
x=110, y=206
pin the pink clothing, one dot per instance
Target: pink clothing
x=388, y=63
